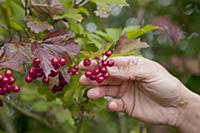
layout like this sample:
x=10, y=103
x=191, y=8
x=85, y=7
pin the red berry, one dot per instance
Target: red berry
x=103, y=70
x=76, y=67
x=8, y=73
x=93, y=77
x=45, y=80
x=15, y=89
x=32, y=71
x=9, y=88
x=88, y=74
x=28, y=79
x=106, y=75
x=2, y=91
x=56, y=88
x=36, y=62
x=87, y=62
x=1, y=77
x=11, y=80
x=110, y=63
x=73, y=71
x=100, y=79
x=53, y=73
x=55, y=61
x=103, y=63
x=96, y=71
x=62, y=81
x=62, y=61
x=5, y=80
x=1, y=103
x=108, y=53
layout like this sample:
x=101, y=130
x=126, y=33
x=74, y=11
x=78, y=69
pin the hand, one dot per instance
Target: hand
x=143, y=89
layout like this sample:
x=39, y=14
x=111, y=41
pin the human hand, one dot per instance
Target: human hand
x=143, y=89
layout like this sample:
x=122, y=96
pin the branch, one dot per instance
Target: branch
x=29, y=114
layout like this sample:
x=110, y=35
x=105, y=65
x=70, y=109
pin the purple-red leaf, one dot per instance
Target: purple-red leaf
x=12, y=58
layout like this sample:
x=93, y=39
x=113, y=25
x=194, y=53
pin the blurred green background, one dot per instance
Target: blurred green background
x=176, y=46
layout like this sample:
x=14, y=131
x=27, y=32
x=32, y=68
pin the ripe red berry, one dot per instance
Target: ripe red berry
x=28, y=79
x=62, y=61
x=103, y=63
x=108, y=53
x=110, y=62
x=87, y=62
x=103, y=70
x=93, y=77
x=1, y=77
x=32, y=71
x=88, y=74
x=53, y=73
x=45, y=80
x=73, y=71
x=2, y=91
x=76, y=67
x=106, y=75
x=36, y=62
x=15, y=88
x=8, y=73
x=62, y=81
x=100, y=79
x=96, y=71
x=5, y=80
x=1, y=103
x=55, y=61
x=11, y=80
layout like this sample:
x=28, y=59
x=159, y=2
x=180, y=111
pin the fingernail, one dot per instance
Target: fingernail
x=113, y=70
x=93, y=94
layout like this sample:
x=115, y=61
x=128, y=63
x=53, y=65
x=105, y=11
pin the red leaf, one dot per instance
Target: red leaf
x=12, y=58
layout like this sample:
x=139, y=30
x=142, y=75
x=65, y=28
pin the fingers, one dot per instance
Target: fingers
x=116, y=105
x=110, y=81
x=99, y=92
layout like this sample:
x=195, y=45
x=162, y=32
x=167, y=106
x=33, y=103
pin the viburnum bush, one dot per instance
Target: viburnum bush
x=42, y=43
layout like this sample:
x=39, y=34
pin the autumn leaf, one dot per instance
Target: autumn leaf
x=56, y=44
x=12, y=58
x=36, y=25
x=124, y=45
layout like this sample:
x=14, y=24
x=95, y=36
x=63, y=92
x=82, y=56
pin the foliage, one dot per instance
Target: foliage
x=54, y=29
x=85, y=29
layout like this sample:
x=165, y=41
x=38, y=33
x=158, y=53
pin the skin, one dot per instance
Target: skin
x=148, y=92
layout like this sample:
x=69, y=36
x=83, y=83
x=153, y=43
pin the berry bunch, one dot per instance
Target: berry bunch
x=99, y=73
x=6, y=83
x=37, y=72
x=73, y=70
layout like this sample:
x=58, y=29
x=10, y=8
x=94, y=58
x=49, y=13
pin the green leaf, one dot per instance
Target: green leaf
x=74, y=84
x=70, y=14
x=75, y=26
x=40, y=106
x=114, y=33
x=136, y=31
x=64, y=116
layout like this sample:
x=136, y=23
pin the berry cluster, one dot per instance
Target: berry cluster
x=99, y=73
x=73, y=70
x=37, y=72
x=6, y=83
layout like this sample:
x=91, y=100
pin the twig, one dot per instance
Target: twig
x=29, y=114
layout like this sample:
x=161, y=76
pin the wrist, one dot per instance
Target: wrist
x=188, y=113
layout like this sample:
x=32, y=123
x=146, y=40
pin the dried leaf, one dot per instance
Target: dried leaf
x=12, y=58
x=50, y=8
x=126, y=46
x=36, y=25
